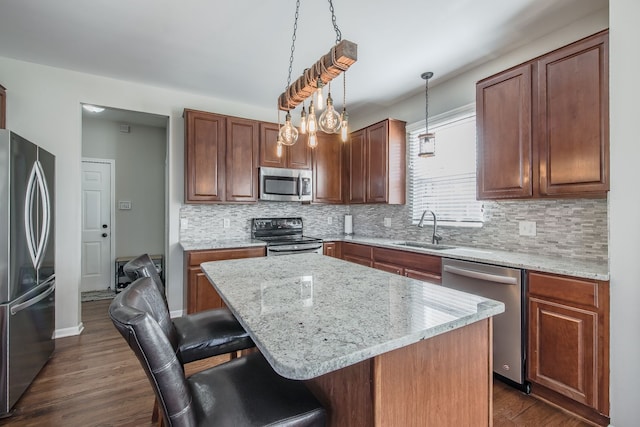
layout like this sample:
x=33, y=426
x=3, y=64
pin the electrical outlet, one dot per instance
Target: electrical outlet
x=527, y=228
x=387, y=222
x=184, y=223
x=226, y=223
x=329, y=220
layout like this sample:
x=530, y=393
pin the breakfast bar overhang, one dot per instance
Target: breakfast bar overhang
x=377, y=349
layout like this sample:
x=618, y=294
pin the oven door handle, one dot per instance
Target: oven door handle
x=294, y=251
x=506, y=280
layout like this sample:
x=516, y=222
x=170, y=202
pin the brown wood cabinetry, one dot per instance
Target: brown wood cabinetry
x=200, y=294
x=297, y=156
x=328, y=173
x=3, y=107
x=221, y=158
x=543, y=126
x=568, y=358
x=405, y=263
x=376, y=163
x=332, y=249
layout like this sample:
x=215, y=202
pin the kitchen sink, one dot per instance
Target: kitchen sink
x=423, y=245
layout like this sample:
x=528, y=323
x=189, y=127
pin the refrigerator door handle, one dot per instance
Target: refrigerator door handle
x=19, y=307
x=37, y=247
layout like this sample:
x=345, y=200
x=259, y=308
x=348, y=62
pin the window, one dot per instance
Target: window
x=446, y=183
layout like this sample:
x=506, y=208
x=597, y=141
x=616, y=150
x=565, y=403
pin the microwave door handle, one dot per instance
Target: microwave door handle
x=299, y=185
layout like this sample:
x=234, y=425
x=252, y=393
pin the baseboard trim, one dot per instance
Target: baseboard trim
x=68, y=332
x=176, y=313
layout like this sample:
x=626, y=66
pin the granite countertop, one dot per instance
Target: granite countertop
x=556, y=265
x=311, y=314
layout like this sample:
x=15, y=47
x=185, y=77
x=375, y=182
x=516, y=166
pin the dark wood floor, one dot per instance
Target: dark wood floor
x=95, y=380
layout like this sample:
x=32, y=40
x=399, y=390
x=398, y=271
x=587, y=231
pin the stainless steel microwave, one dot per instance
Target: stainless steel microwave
x=285, y=185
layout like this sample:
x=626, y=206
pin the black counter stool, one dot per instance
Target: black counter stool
x=242, y=392
x=200, y=335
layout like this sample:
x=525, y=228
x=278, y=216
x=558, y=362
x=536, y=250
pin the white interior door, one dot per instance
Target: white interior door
x=96, y=226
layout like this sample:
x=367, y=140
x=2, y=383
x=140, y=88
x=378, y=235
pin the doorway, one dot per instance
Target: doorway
x=97, y=219
x=136, y=144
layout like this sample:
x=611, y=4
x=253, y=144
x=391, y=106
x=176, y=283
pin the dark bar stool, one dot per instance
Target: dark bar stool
x=242, y=392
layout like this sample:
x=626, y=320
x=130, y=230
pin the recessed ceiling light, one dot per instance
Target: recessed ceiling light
x=92, y=108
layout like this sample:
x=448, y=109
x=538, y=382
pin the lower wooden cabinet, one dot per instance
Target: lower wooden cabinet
x=569, y=342
x=405, y=263
x=200, y=293
x=332, y=249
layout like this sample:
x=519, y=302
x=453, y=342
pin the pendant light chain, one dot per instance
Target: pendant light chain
x=426, y=109
x=335, y=24
x=293, y=44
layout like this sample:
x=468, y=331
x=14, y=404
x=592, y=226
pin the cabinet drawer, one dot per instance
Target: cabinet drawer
x=352, y=249
x=411, y=260
x=566, y=289
x=195, y=258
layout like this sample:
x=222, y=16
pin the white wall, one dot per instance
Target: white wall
x=139, y=158
x=43, y=105
x=624, y=212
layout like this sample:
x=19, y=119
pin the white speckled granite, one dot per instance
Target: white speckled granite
x=557, y=265
x=310, y=314
x=196, y=245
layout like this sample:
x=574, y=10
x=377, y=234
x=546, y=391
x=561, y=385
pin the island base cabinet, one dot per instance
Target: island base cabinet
x=445, y=380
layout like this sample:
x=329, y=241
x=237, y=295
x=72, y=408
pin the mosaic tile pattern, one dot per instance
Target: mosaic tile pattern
x=577, y=227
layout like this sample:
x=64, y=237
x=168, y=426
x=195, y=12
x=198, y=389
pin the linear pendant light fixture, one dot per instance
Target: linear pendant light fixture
x=312, y=81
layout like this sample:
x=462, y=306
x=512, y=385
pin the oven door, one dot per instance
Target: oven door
x=285, y=185
x=294, y=249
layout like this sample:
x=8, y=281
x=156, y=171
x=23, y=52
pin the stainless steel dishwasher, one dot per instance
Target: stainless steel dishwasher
x=509, y=328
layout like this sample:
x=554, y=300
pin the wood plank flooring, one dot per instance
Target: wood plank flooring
x=95, y=380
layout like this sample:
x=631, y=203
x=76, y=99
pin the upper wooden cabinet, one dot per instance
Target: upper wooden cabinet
x=221, y=158
x=3, y=107
x=376, y=163
x=543, y=127
x=328, y=174
x=297, y=156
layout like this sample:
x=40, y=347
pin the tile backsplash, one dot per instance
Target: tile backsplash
x=572, y=227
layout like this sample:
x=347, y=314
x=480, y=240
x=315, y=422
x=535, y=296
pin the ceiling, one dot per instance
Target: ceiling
x=239, y=50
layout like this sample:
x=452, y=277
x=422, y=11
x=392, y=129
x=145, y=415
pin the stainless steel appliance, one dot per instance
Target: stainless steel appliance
x=284, y=236
x=285, y=185
x=509, y=328
x=27, y=279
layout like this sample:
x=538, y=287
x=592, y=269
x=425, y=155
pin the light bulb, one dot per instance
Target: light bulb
x=344, y=126
x=312, y=123
x=330, y=121
x=319, y=98
x=303, y=120
x=313, y=141
x=279, y=149
x=288, y=133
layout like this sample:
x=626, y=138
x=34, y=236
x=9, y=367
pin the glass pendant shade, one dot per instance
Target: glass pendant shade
x=279, y=149
x=319, y=97
x=312, y=122
x=330, y=121
x=288, y=133
x=344, y=126
x=303, y=121
x=427, y=145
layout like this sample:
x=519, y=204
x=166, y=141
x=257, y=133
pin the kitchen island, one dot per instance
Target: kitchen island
x=376, y=348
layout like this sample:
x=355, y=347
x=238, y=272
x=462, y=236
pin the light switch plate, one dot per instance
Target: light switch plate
x=329, y=220
x=124, y=205
x=184, y=223
x=387, y=222
x=226, y=223
x=527, y=228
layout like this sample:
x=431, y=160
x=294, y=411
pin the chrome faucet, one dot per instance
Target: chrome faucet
x=435, y=239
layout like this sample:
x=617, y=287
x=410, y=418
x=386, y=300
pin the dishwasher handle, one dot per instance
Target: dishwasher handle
x=506, y=280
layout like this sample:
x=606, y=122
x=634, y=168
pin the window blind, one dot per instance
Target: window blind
x=446, y=183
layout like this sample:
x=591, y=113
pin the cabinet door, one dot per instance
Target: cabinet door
x=376, y=171
x=328, y=177
x=242, y=160
x=574, y=118
x=423, y=275
x=356, y=167
x=563, y=349
x=503, y=121
x=389, y=268
x=269, y=147
x=299, y=154
x=204, y=157
x=202, y=296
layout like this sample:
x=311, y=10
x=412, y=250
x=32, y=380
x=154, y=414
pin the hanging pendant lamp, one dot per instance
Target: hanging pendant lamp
x=427, y=140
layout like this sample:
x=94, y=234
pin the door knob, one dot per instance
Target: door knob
x=104, y=225
x=104, y=234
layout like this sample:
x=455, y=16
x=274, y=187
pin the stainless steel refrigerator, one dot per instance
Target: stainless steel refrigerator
x=27, y=275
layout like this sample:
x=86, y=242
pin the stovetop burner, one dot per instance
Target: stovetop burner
x=280, y=231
